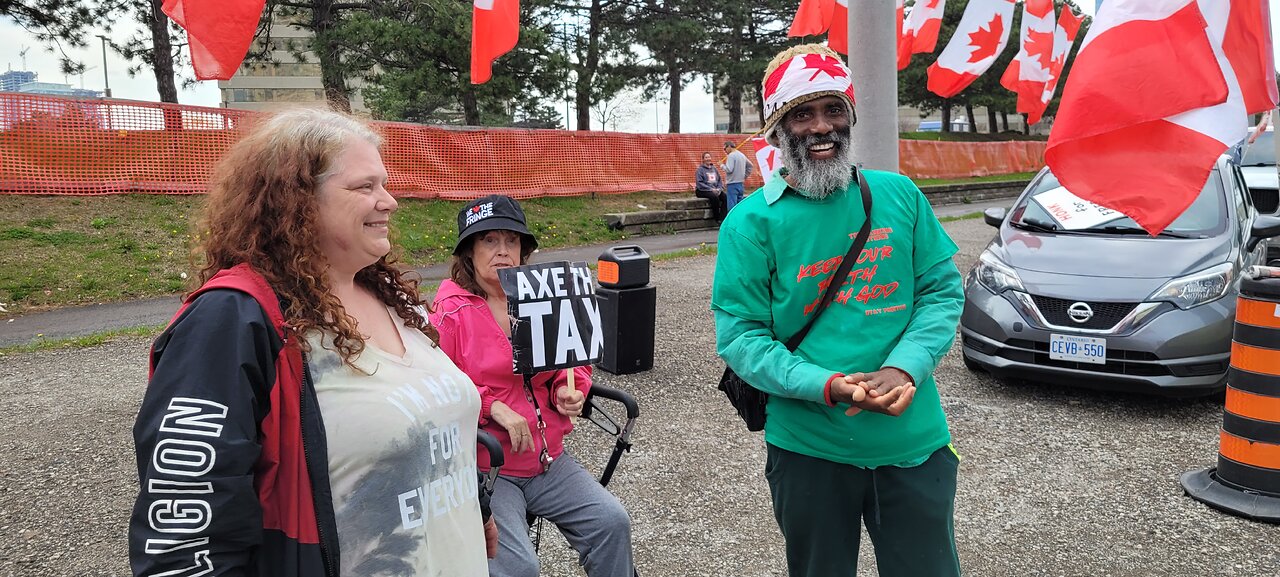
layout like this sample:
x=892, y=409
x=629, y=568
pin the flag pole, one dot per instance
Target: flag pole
x=874, y=66
x=739, y=145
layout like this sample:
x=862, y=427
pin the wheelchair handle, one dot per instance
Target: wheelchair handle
x=497, y=457
x=628, y=401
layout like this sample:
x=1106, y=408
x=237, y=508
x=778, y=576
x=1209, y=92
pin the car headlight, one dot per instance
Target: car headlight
x=1196, y=289
x=995, y=275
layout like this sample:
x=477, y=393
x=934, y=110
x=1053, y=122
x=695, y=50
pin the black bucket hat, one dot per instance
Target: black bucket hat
x=493, y=212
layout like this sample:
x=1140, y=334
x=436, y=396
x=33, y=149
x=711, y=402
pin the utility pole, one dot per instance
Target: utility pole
x=873, y=60
x=105, y=80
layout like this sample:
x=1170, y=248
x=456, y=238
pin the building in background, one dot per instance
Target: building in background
x=287, y=80
x=26, y=81
x=750, y=113
x=58, y=89
x=11, y=80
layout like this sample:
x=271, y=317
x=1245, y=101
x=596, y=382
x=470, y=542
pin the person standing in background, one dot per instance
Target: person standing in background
x=736, y=170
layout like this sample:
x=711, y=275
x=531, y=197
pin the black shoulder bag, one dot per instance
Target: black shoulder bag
x=750, y=401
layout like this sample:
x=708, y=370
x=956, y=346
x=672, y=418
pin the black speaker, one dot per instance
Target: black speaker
x=628, y=317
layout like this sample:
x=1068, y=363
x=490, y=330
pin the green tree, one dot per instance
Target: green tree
x=742, y=38
x=153, y=47
x=602, y=61
x=415, y=55
x=675, y=39
x=58, y=24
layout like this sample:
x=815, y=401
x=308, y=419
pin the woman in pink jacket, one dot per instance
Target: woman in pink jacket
x=539, y=477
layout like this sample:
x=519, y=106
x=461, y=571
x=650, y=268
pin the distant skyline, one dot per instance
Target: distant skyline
x=696, y=108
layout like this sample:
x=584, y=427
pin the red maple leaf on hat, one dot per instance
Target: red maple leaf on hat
x=475, y=208
x=821, y=63
x=1040, y=46
x=775, y=78
x=986, y=41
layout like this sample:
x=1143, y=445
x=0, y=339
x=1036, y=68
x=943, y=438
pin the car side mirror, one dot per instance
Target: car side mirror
x=1264, y=227
x=994, y=216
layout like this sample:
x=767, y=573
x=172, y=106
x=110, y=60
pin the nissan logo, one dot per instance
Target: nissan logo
x=1080, y=312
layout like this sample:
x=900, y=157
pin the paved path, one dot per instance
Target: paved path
x=90, y=319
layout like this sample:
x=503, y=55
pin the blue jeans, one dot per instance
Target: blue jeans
x=733, y=194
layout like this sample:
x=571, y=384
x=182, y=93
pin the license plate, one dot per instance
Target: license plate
x=1079, y=349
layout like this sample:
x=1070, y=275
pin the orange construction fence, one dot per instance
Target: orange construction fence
x=52, y=145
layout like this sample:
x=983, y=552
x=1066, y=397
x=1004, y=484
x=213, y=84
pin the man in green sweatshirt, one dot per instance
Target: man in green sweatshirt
x=855, y=430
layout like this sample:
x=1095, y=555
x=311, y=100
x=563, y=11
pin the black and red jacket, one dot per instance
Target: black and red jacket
x=231, y=450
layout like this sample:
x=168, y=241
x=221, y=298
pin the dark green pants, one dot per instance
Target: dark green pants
x=820, y=507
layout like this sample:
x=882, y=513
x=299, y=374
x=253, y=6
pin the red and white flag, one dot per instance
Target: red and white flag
x=495, y=30
x=813, y=17
x=1247, y=45
x=838, y=35
x=768, y=158
x=1156, y=94
x=1064, y=37
x=1032, y=68
x=920, y=30
x=978, y=40
x=218, y=32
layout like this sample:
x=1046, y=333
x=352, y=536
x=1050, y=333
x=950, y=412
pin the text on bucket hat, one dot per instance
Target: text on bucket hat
x=800, y=74
x=493, y=212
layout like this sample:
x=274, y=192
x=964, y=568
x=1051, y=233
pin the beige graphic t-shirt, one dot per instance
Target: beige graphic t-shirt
x=402, y=459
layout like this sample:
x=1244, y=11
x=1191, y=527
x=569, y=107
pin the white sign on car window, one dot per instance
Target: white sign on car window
x=1073, y=212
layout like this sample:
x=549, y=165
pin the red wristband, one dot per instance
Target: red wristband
x=826, y=392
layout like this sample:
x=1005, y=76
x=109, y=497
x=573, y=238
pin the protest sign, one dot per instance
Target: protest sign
x=1073, y=212
x=555, y=316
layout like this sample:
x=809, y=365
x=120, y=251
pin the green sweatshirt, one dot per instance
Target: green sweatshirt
x=898, y=307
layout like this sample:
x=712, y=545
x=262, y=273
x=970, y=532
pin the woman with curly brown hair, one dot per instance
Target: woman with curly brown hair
x=300, y=418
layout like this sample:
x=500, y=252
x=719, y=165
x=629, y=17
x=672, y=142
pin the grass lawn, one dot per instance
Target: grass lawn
x=67, y=250
x=971, y=136
x=1023, y=176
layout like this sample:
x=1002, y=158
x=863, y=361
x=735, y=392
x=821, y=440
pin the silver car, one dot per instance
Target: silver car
x=1107, y=305
x=1258, y=166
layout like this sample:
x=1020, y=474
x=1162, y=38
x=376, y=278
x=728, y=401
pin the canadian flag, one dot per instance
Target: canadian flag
x=920, y=30
x=813, y=17
x=1134, y=137
x=1064, y=36
x=978, y=40
x=218, y=31
x=495, y=30
x=1032, y=68
x=838, y=35
x=768, y=158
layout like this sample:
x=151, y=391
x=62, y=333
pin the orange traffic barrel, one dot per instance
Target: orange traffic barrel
x=1246, y=481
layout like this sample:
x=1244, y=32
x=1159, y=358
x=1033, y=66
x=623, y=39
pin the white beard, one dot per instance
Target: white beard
x=816, y=179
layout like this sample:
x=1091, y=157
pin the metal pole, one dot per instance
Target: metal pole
x=564, y=26
x=873, y=61
x=105, y=80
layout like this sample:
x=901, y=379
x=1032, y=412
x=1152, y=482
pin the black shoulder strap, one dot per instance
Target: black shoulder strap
x=845, y=265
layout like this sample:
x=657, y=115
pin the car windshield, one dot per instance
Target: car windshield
x=1205, y=216
x=1262, y=152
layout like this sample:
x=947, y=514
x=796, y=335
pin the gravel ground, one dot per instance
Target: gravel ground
x=1054, y=481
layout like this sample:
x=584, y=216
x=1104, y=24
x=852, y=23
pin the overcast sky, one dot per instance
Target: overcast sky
x=695, y=101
